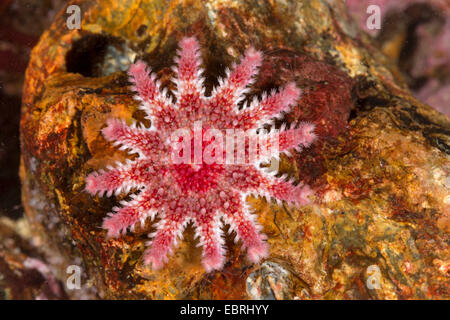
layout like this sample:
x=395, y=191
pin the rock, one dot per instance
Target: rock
x=269, y=282
x=379, y=225
x=23, y=273
x=416, y=35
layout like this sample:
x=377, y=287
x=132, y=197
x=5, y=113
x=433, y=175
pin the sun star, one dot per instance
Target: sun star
x=208, y=195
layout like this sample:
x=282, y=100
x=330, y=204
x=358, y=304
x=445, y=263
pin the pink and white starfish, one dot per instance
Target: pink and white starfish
x=208, y=195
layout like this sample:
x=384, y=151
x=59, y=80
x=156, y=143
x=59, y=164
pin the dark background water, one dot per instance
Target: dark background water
x=21, y=24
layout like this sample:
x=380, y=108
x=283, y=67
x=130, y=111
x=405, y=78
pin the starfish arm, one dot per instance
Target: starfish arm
x=231, y=90
x=123, y=178
x=154, y=102
x=189, y=82
x=301, y=137
x=260, y=112
x=169, y=229
x=138, y=140
x=277, y=141
x=250, y=179
x=208, y=229
x=282, y=190
x=138, y=209
x=246, y=227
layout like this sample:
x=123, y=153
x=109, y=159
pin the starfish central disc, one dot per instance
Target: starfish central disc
x=198, y=178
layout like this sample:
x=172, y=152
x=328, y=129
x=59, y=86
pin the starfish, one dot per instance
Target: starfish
x=208, y=194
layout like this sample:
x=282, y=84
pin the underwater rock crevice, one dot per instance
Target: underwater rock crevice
x=98, y=55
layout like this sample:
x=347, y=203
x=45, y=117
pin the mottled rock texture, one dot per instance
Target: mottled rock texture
x=380, y=168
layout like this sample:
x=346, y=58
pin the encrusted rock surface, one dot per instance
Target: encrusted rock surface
x=380, y=168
